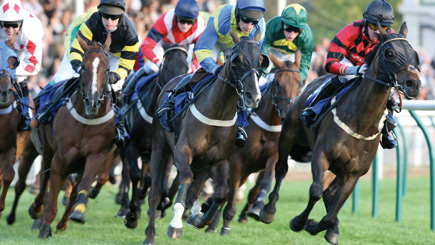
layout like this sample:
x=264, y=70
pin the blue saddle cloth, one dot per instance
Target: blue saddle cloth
x=142, y=82
x=46, y=94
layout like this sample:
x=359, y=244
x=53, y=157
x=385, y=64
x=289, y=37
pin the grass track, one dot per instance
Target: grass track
x=103, y=228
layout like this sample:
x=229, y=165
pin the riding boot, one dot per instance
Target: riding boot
x=241, y=137
x=388, y=140
x=163, y=112
x=308, y=116
x=119, y=138
x=25, y=121
x=130, y=84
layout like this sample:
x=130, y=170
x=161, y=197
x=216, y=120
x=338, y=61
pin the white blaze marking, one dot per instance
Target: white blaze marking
x=95, y=64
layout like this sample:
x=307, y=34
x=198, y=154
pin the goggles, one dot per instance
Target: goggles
x=110, y=16
x=289, y=28
x=374, y=27
x=248, y=20
x=7, y=25
x=183, y=20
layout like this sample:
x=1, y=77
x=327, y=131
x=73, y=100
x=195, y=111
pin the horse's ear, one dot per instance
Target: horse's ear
x=265, y=61
x=404, y=29
x=108, y=42
x=82, y=42
x=277, y=63
x=298, y=57
x=384, y=34
x=234, y=35
x=257, y=35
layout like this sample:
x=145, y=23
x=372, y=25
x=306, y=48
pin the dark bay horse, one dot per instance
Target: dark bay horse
x=139, y=120
x=207, y=134
x=78, y=140
x=346, y=140
x=261, y=151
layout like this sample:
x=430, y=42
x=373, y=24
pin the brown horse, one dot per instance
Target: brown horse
x=346, y=140
x=11, y=141
x=261, y=151
x=78, y=140
x=207, y=134
x=139, y=120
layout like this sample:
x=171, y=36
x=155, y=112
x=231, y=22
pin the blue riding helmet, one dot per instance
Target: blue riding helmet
x=187, y=8
x=251, y=9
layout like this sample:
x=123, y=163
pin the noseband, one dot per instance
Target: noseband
x=274, y=91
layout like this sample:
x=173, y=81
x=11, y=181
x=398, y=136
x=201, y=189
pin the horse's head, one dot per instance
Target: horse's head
x=8, y=64
x=287, y=83
x=396, y=62
x=94, y=76
x=243, y=65
x=174, y=63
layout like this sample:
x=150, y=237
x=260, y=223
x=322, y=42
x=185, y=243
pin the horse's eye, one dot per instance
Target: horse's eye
x=390, y=54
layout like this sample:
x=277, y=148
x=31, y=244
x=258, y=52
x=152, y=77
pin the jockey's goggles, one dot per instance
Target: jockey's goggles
x=248, y=20
x=374, y=27
x=110, y=16
x=289, y=28
x=184, y=20
x=8, y=24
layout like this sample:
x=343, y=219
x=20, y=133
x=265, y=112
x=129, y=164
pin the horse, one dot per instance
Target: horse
x=206, y=134
x=346, y=140
x=261, y=151
x=78, y=140
x=11, y=141
x=139, y=120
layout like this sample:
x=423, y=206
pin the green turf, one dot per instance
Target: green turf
x=103, y=228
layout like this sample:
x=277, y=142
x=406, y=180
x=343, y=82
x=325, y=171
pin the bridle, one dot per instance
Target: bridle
x=167, y=52
x=274, y=91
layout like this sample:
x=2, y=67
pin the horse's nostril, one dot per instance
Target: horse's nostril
x=248, y=95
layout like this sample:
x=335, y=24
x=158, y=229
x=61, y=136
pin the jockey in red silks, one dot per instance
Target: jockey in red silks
x=23, y=32
x=346, y=58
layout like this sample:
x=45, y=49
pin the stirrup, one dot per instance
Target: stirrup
x=241, y=137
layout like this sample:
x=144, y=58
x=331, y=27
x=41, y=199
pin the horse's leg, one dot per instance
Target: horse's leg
x=243, y=217
x=26, y=162
x=182, y=160
x=265, y=184
x=133, y=215
x=344, y=189
x=124, y=185
x=160, y=151
x=61, y=225
x=8, y=176
x=102, y=177
x=93, y=164
x=316, y=190
x=35, y=209
x=55, y=186
x=332, y=234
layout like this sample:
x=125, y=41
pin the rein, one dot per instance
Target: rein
x=275, y=98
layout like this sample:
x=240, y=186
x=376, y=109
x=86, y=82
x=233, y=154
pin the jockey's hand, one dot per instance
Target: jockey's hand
x=76, y=65
x=356, y=70
x=113, y=77
x=218, y=70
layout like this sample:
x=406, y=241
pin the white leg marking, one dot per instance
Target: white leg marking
x=177, y=222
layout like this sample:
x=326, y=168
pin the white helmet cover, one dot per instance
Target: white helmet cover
x=11, y=10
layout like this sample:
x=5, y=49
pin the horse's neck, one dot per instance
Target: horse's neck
x=149, y=98
x=221, y=99
x=266, y=109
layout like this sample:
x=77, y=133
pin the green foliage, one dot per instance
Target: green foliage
x=326, y=18
x=102, y=227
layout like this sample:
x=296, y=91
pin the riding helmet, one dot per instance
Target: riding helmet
x=379, y=11
x=12, y=11
x=112, y=7
x=294, y=15
x=253, y=9
x=187, y=8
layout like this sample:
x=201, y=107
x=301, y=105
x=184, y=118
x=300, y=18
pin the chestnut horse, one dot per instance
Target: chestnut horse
x=206, y=134
x=78, y=140
x=346, y=140
x=139, y=120
x=11, y=141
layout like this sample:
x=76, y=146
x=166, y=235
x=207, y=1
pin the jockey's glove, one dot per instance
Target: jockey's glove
x=114, y=77
x=356, y=70
x=76, y=65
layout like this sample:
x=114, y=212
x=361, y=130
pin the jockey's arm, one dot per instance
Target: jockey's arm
x=155, y=35
x=31, y=63
x=205, y=45
x=306, y=51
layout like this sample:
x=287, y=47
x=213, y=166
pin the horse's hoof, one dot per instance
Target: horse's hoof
x=78, y=217
x=211, y=230
x=311, y=227
x=149, y=242
x=65, y=200
x=195, y=221
x=93, y=193
x=45, y=231
x=130, y=221
x=332, y=235
x=36, y=226
x=225, y=231
x=10, y=219
x=296, y=225
x=122, y=212
x=243, y=218
x=33, y=214
x=266, y=217
x=174, y=233
x=255, y=213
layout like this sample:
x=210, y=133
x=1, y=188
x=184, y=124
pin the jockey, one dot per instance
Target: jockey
x=23, y=31
x=182, y=25
x=244, y=18
x=287, y=33
x=346, y=58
